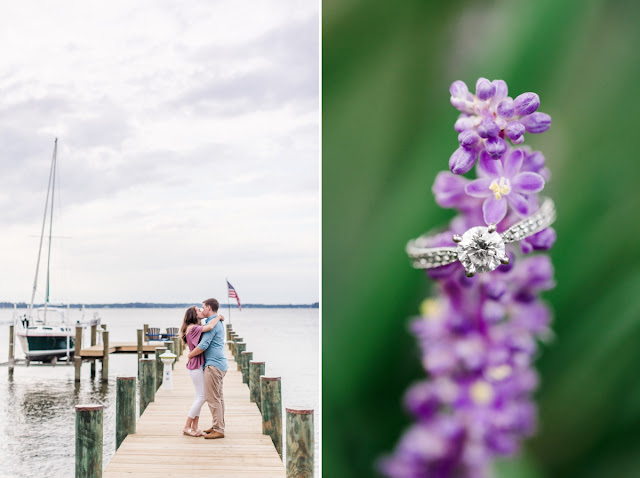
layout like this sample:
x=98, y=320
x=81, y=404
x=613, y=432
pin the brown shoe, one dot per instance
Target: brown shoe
x=208, y=430
x=214, y=435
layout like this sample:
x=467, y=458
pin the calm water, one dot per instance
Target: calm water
x=37, y=417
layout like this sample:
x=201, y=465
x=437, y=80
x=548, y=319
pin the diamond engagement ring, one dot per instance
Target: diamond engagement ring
x=480, y=249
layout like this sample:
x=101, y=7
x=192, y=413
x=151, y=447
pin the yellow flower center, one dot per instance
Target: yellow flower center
x=499, y=372
x=481, y=392
x=430, y=309
x=500, y=188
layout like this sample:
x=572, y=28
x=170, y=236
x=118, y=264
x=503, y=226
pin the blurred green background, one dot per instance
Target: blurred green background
x=387, y=131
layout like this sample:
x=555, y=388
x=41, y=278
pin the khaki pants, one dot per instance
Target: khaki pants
x=213, y=391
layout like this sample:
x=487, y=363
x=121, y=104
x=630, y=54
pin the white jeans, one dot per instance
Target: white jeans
x=197, y=377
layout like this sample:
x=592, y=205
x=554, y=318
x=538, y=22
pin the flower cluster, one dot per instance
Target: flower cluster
x=490, y=117
x=479, y=335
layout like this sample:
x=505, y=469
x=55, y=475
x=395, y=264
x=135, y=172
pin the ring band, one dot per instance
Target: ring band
x=482, y=248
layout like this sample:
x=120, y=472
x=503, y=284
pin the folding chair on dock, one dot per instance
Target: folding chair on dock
x=171, y=332
x=154, y=333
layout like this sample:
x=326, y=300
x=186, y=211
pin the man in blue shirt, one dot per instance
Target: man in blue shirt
x=215, y=368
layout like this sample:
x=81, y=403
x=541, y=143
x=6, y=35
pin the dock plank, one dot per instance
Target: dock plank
x=158, y=448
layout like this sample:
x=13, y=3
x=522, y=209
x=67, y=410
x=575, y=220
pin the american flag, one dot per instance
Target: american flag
x=233, y=294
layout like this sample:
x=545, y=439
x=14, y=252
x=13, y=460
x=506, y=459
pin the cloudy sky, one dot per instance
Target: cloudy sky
x=188, y=149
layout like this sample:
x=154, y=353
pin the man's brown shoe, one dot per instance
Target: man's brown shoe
x=209, y=430
x=214, y=435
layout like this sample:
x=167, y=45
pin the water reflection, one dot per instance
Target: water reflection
x=37, y=421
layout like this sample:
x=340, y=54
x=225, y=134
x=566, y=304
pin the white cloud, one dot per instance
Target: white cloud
x=188, y=148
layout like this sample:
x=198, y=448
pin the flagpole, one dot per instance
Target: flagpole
x=228, y=304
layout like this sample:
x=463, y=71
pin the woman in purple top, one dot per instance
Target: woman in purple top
x=190, y=332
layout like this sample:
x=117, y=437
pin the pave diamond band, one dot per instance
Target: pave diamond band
x=542, y=219
x=480, y=249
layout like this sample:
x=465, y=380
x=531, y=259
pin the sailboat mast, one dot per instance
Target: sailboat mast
x=44, y=221
x=53, y=191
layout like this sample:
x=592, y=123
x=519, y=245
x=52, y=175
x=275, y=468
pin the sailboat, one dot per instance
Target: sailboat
x=45, y=332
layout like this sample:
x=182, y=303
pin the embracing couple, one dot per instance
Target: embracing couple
x=203, y=332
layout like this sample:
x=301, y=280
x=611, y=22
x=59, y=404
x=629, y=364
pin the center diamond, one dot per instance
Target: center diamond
x=481, y=250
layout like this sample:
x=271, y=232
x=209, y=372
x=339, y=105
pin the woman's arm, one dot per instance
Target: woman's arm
x=212, y=324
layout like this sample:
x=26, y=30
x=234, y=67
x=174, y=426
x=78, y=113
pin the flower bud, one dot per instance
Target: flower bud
x=501, y=90
x=464, y=123
x=526, y=103
x=421, y=401
x=488, y=129
x=459, y=89
x=507, y=267
x=485, y=89
x=514, y=130
x=496, y=147
x=492, y=311
x=460, y=104
x=468, y=139
x=525, y=247
x=506, y=109
x=543, y=240
x=536, y=122
x=533, y=162
x=462, y=160
x=495, y=289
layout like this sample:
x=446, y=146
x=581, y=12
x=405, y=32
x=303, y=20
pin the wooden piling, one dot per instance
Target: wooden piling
x=271, y=400
x=105, y=356
x=229, y=330
x=159, y=366
x=147, y=372
x=88, y=441
x=11, y=350
x=171, y=348
x=145, y=330
x=176, y=346
x=236, y=340
x=245, y=358
x=93, y=338
x=232, y=342
x=140, y=332
x=300, y=443
x=77, y=360
x=125, y=408
x=255, y=370
x=240, y=347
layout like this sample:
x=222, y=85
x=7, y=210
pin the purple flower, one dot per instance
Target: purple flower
x=490, y=117
x=479, y=336
x=504, y=184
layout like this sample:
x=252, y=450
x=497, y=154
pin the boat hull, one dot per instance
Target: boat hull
x=46, y=347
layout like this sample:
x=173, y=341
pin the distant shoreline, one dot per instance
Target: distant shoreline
x=153, y=305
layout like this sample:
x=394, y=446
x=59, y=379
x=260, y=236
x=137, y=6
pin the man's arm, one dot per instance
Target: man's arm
x=212, y=323
x=205, y=341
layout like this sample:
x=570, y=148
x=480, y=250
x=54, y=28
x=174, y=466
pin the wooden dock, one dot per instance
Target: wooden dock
x=158, y=448
x=97, y=351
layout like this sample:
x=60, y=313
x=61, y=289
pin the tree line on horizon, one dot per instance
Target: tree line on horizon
x=154, y=305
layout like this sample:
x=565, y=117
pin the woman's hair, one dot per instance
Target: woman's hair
x=190, y=317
